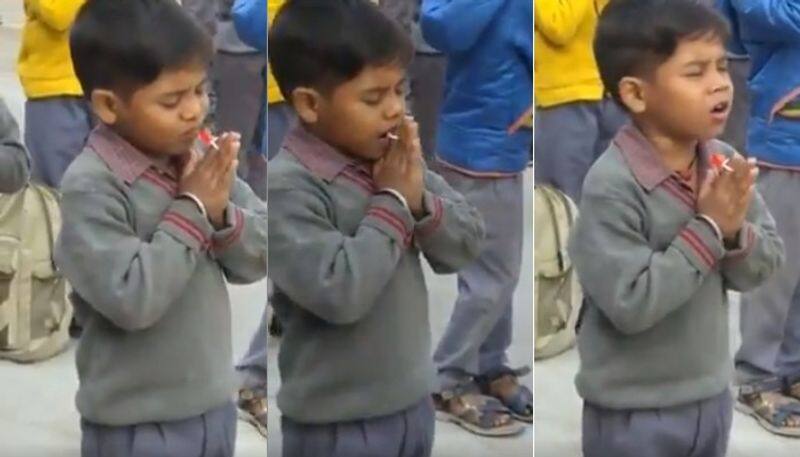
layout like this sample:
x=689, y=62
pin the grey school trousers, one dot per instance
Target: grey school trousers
x=569, y=138
x=56, y=129
x=252, y=368
x=480, y=329
x=698, y=429
x=212, y=434
x=240, y=89
x=408, y=433
x=770, y=316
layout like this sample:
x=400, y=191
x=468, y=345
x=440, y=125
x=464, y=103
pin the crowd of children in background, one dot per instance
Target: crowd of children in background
x=626, y=113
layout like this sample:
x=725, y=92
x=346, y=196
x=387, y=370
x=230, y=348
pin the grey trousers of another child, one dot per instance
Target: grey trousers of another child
x=480, y=328
x=735, y=132
x=568, y=140
x=699, y=429
x=56, y=129
x=770, y=316
x=427, y=74
x=240, y=89
x=212, y=434
x=280, y=118
x=408, y=433
x=252, y=368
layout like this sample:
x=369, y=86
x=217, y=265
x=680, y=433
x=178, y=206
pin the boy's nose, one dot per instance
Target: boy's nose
x=396, y=107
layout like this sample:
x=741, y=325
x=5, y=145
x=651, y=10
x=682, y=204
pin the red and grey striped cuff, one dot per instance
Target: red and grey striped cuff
x=184, y=221
x=700, y=245
x=388, y=215
x=744, y=243
x=435, y=213
x=234, y=221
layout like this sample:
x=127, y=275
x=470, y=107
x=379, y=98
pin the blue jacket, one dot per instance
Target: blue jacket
x=489, y=85
x=250, y=20
x=769, y=32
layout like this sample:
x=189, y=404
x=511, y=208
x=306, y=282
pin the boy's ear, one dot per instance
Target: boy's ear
x=631, y=92
x=306, y=102
x=106, y=105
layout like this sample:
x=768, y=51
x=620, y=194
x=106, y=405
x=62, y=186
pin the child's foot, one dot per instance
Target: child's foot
x=775, y=412
x=253, y=408
x=474, y=412
x=504, y=385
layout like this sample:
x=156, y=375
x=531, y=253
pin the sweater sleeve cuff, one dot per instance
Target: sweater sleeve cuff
x=184, y=221
x=232, y=232
x=744, y=243
x=388, y=215
x=434, y=212
x=698, y=242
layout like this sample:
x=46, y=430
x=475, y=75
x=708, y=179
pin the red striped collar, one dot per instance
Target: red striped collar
x=124, y=159
x=320, y=157
x=645, y=162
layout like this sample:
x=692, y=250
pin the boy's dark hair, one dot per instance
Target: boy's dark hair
x=634, y=37
x=323, y=43
x=122, y=45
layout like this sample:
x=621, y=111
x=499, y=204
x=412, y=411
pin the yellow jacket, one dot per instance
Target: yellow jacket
x=564, y=61
x=273, y=93
x=44, y=64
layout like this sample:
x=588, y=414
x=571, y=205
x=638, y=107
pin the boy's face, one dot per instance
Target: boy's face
x=163, y=118
x=357, y=115
x=689, y=96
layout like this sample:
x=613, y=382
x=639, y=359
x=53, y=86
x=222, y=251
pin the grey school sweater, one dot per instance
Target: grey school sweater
x=349, y=286
x=149, y=274
x=14, y=163
x=655, y=326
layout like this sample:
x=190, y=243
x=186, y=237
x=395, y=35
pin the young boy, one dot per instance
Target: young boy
x=151, y=232
x=670, y=222
x=352, y=210
x=575, y=121
x=768, y=361
x=14, y=166
x=57, y=117
x=482, y=154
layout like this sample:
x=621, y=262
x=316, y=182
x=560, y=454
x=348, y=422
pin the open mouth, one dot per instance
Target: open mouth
x=721, y=108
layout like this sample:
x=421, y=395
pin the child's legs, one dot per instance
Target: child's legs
x=253, y=366
x=240, y=92
x=427, y=73
x=769, y=312
x=212, y=434
x=486, y=286
x=564, y=148
x=408, y=433
x=699, y=429
x=280, y=118
x=55, y=133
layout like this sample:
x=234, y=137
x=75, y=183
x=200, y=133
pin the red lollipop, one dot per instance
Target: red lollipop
x=720, y=161
x=207, y=138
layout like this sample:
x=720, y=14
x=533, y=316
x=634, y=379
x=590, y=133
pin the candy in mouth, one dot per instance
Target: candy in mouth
x=207, y=138
x=392, y=136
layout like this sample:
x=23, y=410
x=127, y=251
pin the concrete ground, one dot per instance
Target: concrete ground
x=558, y=412
x=37, y=405
x=450, y=440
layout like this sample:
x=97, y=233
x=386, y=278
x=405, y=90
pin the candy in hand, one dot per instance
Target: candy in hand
x=207, y=138
x=720, y=161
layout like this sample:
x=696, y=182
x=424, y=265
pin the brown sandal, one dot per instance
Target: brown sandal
x=771, y=408
x=476, y=413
